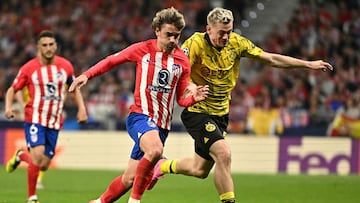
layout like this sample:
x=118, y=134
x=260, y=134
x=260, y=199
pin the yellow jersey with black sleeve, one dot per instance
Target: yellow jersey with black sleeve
x=218, y=68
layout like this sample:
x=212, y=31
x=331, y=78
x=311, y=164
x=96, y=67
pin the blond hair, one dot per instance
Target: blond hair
x=168, y=16
x=219, y=15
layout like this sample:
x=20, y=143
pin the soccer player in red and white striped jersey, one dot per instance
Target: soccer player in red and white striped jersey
x=46, y=78
x=162, y=74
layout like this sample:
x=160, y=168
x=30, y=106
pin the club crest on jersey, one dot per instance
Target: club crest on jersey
x=176, y=69
x=59, y=76
x=210, y=127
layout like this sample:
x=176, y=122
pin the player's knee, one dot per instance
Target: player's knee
x=223, y=157
x=155, y=153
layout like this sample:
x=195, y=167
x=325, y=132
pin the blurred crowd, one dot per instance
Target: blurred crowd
x=89, y=30
x=272, y=101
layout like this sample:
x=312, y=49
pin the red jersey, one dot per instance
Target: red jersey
x=158, y=77
x=46, y=85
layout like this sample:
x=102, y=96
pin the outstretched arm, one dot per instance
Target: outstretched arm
x=282, y=61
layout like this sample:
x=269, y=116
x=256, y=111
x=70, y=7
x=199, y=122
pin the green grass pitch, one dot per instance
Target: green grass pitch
x=76, y=186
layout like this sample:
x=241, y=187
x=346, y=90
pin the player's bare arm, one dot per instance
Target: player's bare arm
x=282, y=61
x=79, y=81
x=9, y=98
x=81, y=114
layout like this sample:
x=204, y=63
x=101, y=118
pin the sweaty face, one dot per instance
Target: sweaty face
x=219, y=33
x=47, y=48
x=167, y=37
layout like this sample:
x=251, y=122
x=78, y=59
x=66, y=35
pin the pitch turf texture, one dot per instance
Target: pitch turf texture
x=76, y=186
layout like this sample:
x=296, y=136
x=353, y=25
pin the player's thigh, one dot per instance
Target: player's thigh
x=151, y=141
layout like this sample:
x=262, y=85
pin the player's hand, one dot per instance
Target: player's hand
x=79, y=81
x=82, y=117
x=201, y=92
x=9, y=113
x=320, y=64
x=190, y=90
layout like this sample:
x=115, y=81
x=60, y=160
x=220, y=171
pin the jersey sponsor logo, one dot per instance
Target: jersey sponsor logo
x=219, y=74
x=50, y=92
x=159, y=89
x=210, y=127
x=163, y=81
x=163, y=78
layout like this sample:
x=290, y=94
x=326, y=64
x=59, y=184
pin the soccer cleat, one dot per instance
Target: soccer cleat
x=14, y=162
x=157, y=174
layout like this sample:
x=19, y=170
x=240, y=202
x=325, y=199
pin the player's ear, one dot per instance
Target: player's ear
x=157, y=31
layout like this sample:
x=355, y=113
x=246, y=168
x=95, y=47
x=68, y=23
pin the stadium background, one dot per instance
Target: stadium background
x=307, y=102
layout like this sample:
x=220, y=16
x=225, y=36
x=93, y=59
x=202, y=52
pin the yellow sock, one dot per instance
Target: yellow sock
x=41, y=176
x=168, y=166
x=227, y=197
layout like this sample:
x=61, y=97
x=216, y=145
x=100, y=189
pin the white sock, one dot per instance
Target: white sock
x=131, y=200
x=98, y=200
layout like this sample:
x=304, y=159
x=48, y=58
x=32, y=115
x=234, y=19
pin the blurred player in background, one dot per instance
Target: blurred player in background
x=162, y=73
x=215, y=61
x=46, y=78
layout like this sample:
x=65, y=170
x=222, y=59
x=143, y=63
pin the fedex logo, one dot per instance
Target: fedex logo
x=304, y=156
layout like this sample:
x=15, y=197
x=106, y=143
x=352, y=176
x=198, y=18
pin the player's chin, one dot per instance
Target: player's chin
x=224, y=43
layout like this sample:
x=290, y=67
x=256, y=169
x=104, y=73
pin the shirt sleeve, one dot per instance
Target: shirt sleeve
x=112, y=61
x=183, y=83
x=20, y=80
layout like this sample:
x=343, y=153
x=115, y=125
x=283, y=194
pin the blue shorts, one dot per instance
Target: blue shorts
x=137, y=124
x=37, y=134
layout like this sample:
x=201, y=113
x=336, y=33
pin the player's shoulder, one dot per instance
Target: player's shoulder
x=197, y=36
x=237, y=38
x=34, y=62
x=62, y=60
x=146, y=43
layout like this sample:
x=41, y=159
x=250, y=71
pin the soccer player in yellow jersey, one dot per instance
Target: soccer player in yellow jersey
x=215, y=59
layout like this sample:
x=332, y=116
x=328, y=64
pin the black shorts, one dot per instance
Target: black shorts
x=205, y=130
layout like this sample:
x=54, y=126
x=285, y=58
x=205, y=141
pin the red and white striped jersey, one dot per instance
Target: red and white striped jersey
x=159, y=76
x=47, y=87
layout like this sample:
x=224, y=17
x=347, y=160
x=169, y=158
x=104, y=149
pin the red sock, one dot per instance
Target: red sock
x=115, y=190
x=32, y=175
x=142, y=178
x=25, y=157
